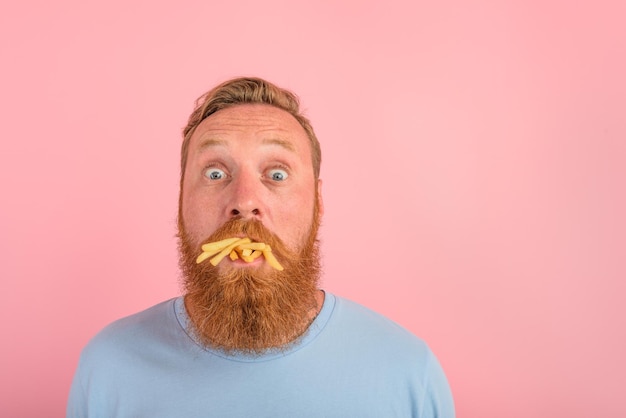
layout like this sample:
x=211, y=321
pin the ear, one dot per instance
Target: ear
x=320, y=201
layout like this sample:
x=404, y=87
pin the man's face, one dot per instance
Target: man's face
x=249, y=173
x=251, y=161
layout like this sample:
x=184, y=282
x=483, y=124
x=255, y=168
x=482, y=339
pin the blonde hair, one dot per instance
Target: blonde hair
x=248, y=90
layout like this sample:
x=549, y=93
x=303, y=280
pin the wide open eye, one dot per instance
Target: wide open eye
x=214, y=174
x=278, y=174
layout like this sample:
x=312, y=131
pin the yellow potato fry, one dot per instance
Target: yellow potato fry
x=203, y=257
x=217, y=246
x=238, y=248
x=251, y=257
x=267, y=253
x=252, y=246
x=215, y=260
x=256, y=254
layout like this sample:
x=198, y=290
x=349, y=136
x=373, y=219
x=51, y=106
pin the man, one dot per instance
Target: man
x=254, y=337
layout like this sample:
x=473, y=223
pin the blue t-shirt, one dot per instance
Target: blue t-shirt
x=352, y=362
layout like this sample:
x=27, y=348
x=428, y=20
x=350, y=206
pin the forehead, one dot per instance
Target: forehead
x=249, y=123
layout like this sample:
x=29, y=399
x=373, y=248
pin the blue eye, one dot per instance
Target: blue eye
x=214, y=174
x=278, y=175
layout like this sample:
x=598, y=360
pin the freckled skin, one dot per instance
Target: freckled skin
x=252, y=161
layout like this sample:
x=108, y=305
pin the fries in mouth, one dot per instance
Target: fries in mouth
x=237, y=248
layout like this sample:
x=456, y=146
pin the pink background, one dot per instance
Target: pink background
x=478, y=146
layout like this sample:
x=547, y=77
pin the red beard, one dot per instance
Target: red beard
x=251, y=309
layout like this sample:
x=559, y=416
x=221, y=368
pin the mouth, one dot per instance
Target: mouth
x=235, y=249
x=239, y=263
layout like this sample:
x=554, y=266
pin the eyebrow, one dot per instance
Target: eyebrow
x=212, y=142
x=281, y=143
x=208, y=143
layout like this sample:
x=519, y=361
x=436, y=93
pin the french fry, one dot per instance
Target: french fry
x=208, y=254
x=252, y=246
x=237, y=248
x=217, y=246
x=251, y=257
x=203, y=257
x=216, y=260
x=267, y=253
x=256, y=254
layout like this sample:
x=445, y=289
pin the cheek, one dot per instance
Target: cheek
x=294, y=220
x=199, y=217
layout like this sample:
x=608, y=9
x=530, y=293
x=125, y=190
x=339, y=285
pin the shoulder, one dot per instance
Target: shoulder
x=366, y=328
x=122, y=350
x=389, y=353
x=363, y=318
x=135, y=330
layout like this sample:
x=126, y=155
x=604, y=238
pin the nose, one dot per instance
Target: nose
x=245, y=200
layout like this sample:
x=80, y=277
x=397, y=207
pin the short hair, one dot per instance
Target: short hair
x=248, y=90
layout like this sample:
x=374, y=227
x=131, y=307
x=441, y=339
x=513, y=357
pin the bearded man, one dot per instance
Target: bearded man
x=253, y=335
